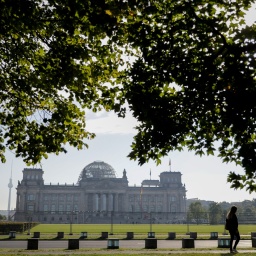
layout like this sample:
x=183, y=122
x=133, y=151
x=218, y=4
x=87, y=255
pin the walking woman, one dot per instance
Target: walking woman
x=232, y=226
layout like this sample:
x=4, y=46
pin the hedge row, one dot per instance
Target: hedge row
x=20, y=227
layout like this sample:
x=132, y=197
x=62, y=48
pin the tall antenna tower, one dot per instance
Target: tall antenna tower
x=10, y=185
x=170, y=165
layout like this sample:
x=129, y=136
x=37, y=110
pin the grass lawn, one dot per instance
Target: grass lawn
x=49, y=231
x=98, y=252
x=138, y=228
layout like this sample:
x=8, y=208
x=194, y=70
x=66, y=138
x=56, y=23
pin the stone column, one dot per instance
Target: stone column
x=95, y=202
x=164, y=203
x=125, y=203
x=179, y=203
x=99, y=201
x=41, y=200
x=102, y=202
x=116, y=203
x=81, y=201
x=183, y=203
x=24, y=202
x=168, y=203
x=107, y=202
x=85, y=206
x=125, y=206
x=18, y=202
x=37, y=202
x=110, y=202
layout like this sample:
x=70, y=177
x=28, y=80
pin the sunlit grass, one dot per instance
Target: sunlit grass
x=49, y=231
x=124, y=252
x=138, y=228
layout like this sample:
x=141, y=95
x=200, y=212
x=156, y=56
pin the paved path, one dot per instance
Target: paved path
x=129, y=244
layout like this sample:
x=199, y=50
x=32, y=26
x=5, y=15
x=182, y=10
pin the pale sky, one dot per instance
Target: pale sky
x=205, y=177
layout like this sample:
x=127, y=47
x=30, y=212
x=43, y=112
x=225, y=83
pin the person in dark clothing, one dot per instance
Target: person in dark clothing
x=232, y=226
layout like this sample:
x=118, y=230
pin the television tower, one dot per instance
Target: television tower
x=10, y=185
x=170, y=165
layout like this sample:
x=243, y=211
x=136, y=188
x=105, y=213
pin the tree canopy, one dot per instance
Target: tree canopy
x=196, y=212
x=190, y=84
x=53, y=66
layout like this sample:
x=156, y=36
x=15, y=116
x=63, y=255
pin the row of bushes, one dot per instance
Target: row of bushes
x=20, y=227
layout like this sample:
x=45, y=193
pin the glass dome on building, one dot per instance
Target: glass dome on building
x=98, y=170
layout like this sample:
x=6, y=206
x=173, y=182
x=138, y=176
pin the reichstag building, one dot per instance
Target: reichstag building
x=99, y=196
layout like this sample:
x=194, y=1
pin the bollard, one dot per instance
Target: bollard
x=223, y=242
x=253, y=234
x=83, y=235
x=193, y=235
x=254, y=242
x=171, y=235
x=32, y=244
x=36, y=235
x=150, y=243
x=129, y=235
x=73, y=244
x=151, y=234
x=113, y=243
x=104, y=235
x=12, y=234
x=188, y=243
x=214, y=235
x=60, y=235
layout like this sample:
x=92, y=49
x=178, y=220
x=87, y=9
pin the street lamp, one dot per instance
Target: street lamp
x=71, y=222
x=150, y=218
x=188, y=223
x=29, y=223
x=111, y=229
x=224, y=217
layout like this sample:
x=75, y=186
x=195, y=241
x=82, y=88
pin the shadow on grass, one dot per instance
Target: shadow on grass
x=102, y=238
x=58, y=238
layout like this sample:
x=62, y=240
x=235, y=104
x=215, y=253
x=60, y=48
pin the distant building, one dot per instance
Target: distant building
x=204, y=203
x=99, y=195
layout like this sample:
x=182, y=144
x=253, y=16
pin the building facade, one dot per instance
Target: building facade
x=98, y=196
